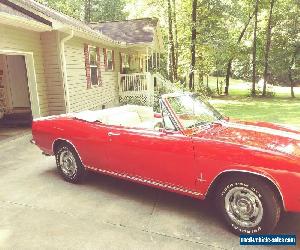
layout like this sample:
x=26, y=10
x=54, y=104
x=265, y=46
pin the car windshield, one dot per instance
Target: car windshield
x=193, y=112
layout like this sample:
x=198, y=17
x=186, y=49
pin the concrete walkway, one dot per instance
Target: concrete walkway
x=10, y=133
x=41, y=211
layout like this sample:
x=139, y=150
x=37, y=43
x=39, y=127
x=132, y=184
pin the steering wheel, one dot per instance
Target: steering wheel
x=158, y=125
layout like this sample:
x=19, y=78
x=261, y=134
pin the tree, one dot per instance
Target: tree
x=112, y=10
x=193, y=46
x=267, y=49
x=290, y=70
x=171, y=44
x=87, y=11
x=253, y=91
x=175, y=42
x=229, y=64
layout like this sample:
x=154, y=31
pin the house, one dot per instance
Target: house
x=51, y=63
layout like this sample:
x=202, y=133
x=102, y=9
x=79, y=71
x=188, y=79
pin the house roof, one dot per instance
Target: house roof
x=129, y=31
x=135, y=31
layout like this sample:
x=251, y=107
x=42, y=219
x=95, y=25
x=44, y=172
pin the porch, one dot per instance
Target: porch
x=139, y=79
x=141, y=88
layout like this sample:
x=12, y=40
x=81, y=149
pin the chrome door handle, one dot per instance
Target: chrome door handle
x=113, y=134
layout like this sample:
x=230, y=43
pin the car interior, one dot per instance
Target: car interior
x=134, y=116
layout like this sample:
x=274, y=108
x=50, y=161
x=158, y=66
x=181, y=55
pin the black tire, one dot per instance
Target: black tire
x=239, y=200
x=77, y=171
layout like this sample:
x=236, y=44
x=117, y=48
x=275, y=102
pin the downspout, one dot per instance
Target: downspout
x=64, y=69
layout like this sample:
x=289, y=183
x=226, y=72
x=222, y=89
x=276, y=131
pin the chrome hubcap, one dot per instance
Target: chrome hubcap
x=67, y=163
x=243, y=207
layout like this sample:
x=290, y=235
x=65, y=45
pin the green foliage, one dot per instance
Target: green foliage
x=73, y=8
x=108, y=10
x=100, y=10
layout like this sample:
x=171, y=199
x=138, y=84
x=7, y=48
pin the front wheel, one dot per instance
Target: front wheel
x=69, y=164
x=248, y=204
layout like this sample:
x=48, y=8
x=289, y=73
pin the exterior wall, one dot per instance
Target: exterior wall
x=2, y=85
x=55, y=90
x=80, y=97
x=15, y=39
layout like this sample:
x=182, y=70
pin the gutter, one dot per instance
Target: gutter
x=64, y=69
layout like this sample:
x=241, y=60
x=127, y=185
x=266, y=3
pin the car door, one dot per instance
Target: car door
x=91, y=141
x=165, y=157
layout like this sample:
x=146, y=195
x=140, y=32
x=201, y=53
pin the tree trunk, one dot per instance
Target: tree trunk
x=229, y=64
x=193, y=45
x=290, y=73
x=175, y=41
x=218, y=90
x=228, y=74
x=207, y=82
x=267, y=49
x=87, y=11
x=171, y=43
x=253, y=92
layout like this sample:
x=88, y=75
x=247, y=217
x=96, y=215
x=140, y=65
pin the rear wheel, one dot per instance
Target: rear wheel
x=248, y=205
x=69, y=164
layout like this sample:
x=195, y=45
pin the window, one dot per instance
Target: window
x=109, y=59
x=92, y=65
x=93, y=62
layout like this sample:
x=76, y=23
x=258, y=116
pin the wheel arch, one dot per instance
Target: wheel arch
x=221, y=176
x=59, y=141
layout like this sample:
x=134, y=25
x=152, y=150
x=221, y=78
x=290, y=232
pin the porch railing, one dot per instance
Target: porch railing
x=136, y=87
x=142, y=87
x=133, y=82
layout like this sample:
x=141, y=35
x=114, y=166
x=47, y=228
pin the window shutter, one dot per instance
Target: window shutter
x=99, y=66
x=121, y=62
x=105, y=57
x=87, y=66
x=113, y=59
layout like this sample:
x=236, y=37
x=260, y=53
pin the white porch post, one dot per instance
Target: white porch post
x=152, y=58
x=150, y=89
x=156, y=60
x=147, y=66
x=119, y=84
x=159, y=60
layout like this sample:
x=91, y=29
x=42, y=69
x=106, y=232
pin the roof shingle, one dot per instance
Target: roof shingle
x=129, y=31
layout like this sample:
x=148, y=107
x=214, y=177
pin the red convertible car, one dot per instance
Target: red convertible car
x=251, y=170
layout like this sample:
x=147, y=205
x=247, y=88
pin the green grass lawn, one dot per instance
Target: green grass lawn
x=280, y=109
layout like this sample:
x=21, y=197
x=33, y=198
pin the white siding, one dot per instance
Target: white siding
x=26, y=41
x=80, y=97
x=55, y=89
x=2, y=89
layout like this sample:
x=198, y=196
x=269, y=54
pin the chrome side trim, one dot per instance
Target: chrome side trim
x=139, y=179
x=250, y=172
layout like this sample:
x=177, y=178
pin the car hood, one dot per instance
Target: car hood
x=260, y=135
